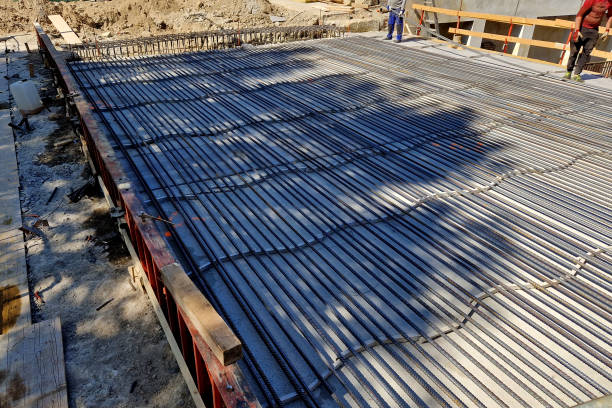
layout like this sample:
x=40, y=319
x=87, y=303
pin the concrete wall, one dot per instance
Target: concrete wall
x=548, y=34
x=565, y=9
x=526, y=8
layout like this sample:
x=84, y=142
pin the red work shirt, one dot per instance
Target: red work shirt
x=593, y=12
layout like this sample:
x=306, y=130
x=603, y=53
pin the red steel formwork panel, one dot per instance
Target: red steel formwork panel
x=220, y=385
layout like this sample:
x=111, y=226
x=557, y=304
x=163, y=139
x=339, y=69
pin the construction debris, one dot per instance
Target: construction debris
x=104, y=304
x=89, y=188
x=144, y=216
x=41, y=223
x=31, y=231
x=38, y=297
x=52, y=195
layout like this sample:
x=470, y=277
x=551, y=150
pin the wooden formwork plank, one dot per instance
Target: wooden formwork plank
x=64, y=29
x=498, y=53
x=14, y=291
x=501, y=37
x=602, y=54
x=32, y=366
x=535, y=43
x=202, y=315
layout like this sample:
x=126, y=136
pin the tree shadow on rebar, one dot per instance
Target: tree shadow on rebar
x=302, y=192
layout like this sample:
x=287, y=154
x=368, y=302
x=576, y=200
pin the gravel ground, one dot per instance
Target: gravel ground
x=116, y=356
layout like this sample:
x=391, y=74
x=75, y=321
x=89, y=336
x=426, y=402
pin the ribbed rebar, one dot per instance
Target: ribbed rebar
x=199, y=41
x=382, y=226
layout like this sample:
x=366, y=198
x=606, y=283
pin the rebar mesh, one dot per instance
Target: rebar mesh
x=382, y=226
x=604, y=68
x=200, y=41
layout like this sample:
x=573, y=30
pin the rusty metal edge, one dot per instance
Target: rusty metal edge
x=229, y=380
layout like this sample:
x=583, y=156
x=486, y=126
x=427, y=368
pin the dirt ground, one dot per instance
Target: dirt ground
x=101, y=20
x=116, y=356
x=131, y=18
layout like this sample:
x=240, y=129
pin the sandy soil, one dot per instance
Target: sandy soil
x=116, y=356
x=120, y=18
x=115, y=19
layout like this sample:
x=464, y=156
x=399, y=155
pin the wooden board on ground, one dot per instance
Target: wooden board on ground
x=14, y=291
x=32, y=367
x=14, y=296
x=64, y=29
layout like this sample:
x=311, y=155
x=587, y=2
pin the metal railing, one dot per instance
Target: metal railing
x=604, y=68
x=201, y=41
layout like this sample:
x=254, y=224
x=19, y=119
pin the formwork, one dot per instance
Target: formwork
x=377, y=225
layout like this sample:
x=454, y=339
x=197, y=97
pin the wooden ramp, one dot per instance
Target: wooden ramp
x=64, y=29
x=32, y=367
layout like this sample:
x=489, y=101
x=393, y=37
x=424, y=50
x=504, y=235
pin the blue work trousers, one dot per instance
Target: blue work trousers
x=396, y=20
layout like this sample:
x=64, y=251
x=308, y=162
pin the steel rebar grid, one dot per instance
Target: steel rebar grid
x=200, y=41
x=604, y=68
x=330, y=244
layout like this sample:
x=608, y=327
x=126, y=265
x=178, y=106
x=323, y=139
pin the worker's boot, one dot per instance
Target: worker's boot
x=568, y=75
x=577, y=78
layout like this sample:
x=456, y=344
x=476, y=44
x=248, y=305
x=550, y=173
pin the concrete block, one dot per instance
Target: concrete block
x=479, y=26
x=522, y=50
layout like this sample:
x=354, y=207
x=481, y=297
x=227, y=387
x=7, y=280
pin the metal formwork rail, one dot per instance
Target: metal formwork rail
x=200, y=41
x=334, y=180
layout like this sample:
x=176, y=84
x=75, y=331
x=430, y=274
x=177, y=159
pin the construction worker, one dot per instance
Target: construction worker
x=396, y=9
x=585, y=39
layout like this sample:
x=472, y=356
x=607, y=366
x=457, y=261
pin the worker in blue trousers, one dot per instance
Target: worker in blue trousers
x=396, y=9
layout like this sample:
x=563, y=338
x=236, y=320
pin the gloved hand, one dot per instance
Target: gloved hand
x=604, y=36
x=402, y=11
x=578, y=36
